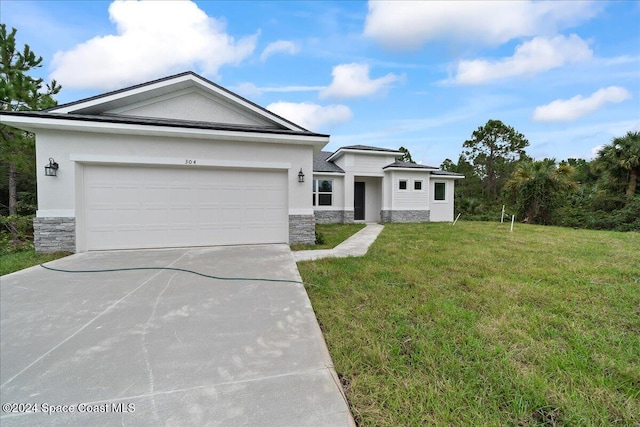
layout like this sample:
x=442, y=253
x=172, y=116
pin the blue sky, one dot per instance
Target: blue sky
x=423, y=75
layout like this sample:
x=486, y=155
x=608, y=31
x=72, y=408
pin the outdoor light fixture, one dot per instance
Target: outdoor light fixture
x=300, y=176
x=52, y=168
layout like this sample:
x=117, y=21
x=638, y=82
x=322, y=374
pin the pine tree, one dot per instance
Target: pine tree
x=494, y=149
x=19, y=92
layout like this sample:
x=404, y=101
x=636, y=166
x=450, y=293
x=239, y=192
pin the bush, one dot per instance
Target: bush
x=320, y=239
x=583, y=214
x=625, y=219
x=16, y=233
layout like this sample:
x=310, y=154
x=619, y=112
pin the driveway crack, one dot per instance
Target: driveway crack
x=146, y=352
x=86, y=325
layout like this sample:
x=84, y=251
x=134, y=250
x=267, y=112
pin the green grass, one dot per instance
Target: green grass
x=333, y=235
x=21, y=260
x=474, y=325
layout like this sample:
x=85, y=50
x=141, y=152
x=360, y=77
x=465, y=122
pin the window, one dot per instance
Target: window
x=417, y=185
x=403, y=184
x=322, y=192
x=439, y=191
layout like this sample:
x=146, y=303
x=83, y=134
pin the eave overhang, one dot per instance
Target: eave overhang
x=342, y=151
x=34, y=122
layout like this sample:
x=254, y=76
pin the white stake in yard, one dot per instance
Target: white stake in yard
x=513, y=217
x=454, y=222
x=502, y=217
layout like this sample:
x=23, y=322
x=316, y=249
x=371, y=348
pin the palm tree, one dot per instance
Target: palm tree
x=622, y=157
x=630, y=159
x=537, y=188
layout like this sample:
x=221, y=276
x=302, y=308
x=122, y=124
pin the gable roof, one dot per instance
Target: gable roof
x=366, y=148
x=407, y=165
x=126, y=111
x=102, y=103
x=323, y=162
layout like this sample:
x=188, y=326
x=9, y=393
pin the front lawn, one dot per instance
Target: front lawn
x=474, y=325
x=24, y=259
x=331, y=235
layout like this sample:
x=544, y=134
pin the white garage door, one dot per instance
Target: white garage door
x=140, y=207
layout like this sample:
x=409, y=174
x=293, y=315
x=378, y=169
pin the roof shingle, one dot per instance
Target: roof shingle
x=320, y=163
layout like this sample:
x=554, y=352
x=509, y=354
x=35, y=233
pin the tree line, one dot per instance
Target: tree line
x=598, y=194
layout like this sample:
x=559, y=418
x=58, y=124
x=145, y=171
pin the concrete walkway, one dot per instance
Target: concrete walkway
x=356, y=245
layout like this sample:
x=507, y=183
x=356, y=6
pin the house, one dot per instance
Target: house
x=181, y=161
x=363, y=183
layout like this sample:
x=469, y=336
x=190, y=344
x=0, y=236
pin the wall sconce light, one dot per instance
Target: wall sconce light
x=300, y=176
x=52, y=168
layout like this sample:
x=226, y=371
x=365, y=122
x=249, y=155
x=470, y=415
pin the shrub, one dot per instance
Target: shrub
x=16, y=233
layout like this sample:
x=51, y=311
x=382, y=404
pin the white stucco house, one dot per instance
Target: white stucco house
x=363, y=183
x=181, y=161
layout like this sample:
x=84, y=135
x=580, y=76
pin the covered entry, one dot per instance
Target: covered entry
x=367, y=200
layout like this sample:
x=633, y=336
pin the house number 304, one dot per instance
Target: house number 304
x=189, y=162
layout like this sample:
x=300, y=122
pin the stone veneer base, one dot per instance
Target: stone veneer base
x=53, y=234
x=333, y=217
x=405, y=216
x=302, y=229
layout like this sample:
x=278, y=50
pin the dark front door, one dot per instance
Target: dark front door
x=358, y=201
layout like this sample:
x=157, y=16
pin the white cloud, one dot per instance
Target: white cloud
x=247, y=90
x=281, y=46
x=595, y=150
x=312, y=116
x=531, y=57
x=292, y=88
x=410, y=24
x=571, y=109
x=250, y=89
x=352, y=80
x=153, y=39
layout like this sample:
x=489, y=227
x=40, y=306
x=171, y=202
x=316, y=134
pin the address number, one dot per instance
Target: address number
x=189, y=162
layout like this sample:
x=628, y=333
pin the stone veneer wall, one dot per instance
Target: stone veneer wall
x=348, y=217
x=302, y=229
x=405, y=216
x=329, y=217
x=54, y=234
x=334, y=217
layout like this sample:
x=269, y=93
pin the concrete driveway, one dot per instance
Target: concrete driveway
x=159, y=347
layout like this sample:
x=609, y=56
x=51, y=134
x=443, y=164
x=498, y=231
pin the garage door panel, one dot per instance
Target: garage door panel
x=136, y=207
x=148, y=196
x=180, y=217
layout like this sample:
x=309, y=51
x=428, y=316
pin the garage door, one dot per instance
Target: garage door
x=140, y=207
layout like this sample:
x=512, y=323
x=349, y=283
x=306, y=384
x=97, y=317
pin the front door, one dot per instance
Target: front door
x=358, y=201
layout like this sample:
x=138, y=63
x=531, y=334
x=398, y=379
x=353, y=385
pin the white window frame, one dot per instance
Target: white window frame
x=435, y=193
x=317, y=192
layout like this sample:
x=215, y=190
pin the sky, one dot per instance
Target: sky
x=418, y=74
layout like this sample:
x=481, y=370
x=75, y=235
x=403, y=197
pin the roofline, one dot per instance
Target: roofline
x=328, y=173
x=117, y=91
x=442, y=176
x=25, y=120
x=115, y=95
x=341, y=151
x=400, y=168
